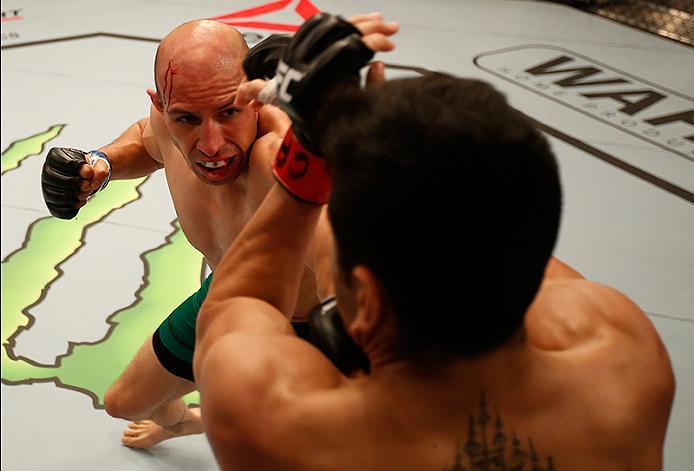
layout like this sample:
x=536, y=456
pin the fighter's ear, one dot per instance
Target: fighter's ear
x=370, y=315
x=156, y=101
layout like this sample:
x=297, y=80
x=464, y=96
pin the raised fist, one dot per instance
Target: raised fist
x=327, y=51
x=66, y=182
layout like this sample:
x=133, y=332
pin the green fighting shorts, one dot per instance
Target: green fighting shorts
x=174, y=339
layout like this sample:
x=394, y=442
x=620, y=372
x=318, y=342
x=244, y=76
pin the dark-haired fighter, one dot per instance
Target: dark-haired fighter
x=485, y=352
x=217, y=158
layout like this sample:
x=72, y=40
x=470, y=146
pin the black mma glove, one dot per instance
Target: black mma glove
x=325, y=53
x=261, y=60
x=328, y=334
x=60, y=179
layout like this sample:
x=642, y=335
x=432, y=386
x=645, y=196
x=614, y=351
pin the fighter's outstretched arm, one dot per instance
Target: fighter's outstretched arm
x=134, y=153
x=69, y=176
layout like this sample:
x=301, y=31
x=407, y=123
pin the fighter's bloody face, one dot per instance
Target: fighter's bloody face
x=213, y=135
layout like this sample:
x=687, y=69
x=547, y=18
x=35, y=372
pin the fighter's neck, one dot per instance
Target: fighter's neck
x=512, y=358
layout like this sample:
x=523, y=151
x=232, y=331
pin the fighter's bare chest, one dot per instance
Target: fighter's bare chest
x=211, y=216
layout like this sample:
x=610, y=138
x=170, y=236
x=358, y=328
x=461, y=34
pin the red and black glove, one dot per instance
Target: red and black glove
x=300, y=172
x=325, y=54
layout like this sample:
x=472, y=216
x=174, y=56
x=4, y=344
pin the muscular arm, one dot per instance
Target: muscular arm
x=135, y=153
x=272, y=126
x=249, y=371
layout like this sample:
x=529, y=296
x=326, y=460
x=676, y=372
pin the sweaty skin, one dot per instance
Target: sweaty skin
x=587, y=384
x=200, y=123
x=217, y=161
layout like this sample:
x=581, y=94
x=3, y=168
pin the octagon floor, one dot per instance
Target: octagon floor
x=79, y=298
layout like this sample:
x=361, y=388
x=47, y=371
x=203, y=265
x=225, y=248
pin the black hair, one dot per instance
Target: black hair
x=452, y=198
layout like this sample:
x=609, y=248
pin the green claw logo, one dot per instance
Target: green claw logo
x=172, y=272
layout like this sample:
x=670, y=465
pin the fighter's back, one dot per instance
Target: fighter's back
x=586, y=385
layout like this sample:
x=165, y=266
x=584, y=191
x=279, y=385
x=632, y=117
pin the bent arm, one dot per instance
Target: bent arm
x=273, y=125
x=134, y=153
x=246, y=361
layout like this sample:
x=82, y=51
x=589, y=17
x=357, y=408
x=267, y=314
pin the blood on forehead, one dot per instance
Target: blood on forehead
x=229, y=65
x=171, y=72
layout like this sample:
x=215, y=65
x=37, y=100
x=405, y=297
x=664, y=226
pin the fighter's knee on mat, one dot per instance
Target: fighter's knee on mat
x=121, y=404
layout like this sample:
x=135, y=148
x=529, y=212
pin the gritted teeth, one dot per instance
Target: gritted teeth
x=216, y=163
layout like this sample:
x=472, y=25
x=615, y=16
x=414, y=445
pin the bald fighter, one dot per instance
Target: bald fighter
x=217, y=159
x=204, y=144
x=484, y=352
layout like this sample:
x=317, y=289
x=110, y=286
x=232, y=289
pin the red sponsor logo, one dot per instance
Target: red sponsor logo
x=304, y=8
x=11, y=15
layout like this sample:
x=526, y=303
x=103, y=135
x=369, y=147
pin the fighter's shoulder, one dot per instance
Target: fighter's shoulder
x=268, y=369
x=259, y=383
x=618, y=362
x=568, y=313
x=616, y=354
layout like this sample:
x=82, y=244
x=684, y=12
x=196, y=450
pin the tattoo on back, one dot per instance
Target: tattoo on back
x=488, y=448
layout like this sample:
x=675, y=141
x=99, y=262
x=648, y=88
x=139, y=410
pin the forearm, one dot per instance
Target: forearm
x=321, y=257
x=128, y=154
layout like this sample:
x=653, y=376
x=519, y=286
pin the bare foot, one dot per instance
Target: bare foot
x=147, y=433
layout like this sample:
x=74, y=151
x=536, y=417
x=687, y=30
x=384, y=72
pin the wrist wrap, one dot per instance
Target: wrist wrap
x=95, y=155
x=303, y=174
